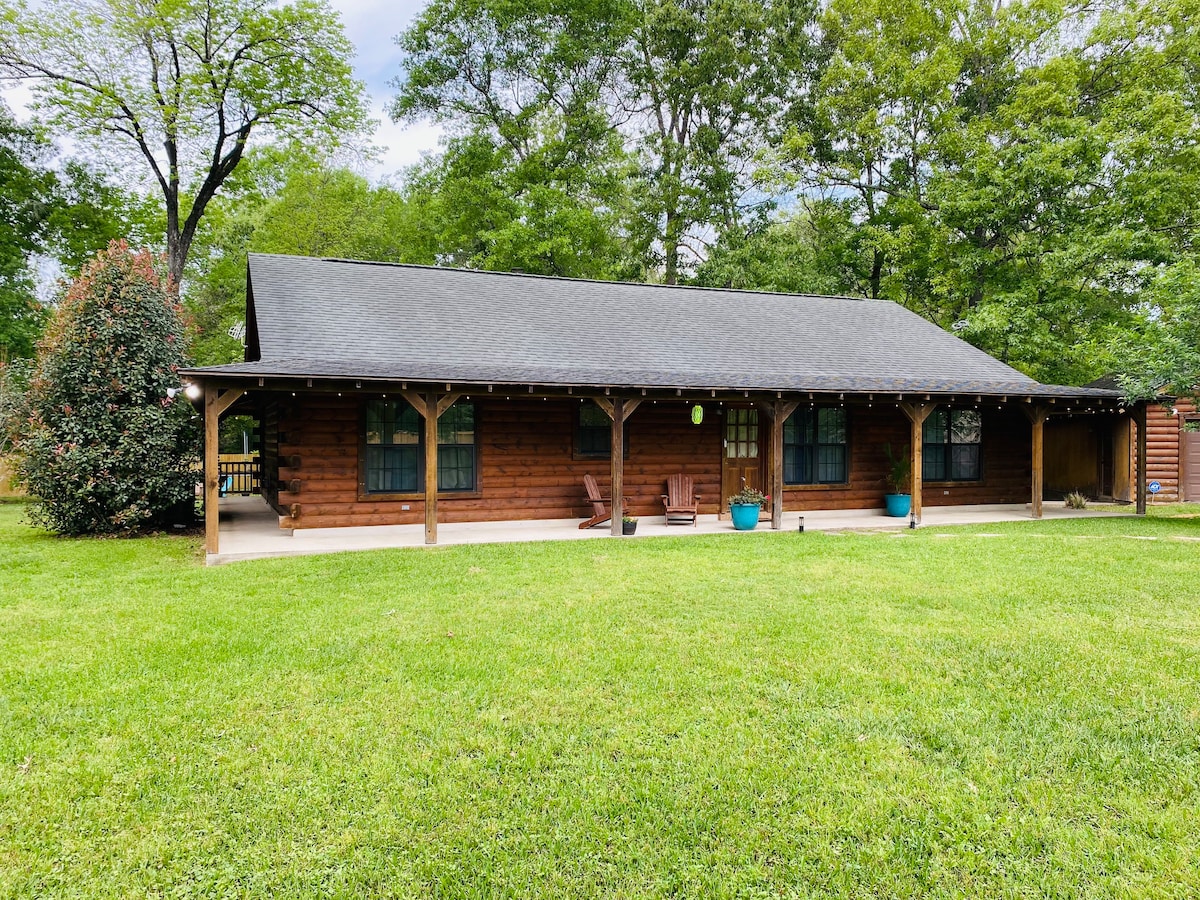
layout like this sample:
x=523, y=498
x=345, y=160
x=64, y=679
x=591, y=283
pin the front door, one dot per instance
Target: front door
x=742, y=462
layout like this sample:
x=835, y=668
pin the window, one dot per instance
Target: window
x=395, y=448
x=951, y=445
x=741, y=433
x=593, y=432
x=456, y=448
x=814, y=447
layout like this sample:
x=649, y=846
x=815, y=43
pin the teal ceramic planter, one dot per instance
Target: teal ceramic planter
x=744, y=515
x=898, y=505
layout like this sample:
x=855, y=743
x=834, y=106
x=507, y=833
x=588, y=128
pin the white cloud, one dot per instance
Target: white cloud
x=405, y=144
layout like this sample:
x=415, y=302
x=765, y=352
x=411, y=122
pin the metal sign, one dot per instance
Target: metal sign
x=1154, y=487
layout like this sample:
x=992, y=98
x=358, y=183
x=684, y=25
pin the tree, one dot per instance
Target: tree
x=706, y=82
x=548, y=101
x=813, y=250
x=108, y=445
x=26, y=190
x=178, y=90
x=65, y=213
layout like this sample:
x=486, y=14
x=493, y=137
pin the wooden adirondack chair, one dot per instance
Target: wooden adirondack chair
x=600, y=512
x=681, y=500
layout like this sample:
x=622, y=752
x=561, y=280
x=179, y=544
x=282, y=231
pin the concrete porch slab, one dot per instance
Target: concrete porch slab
x=250, y=528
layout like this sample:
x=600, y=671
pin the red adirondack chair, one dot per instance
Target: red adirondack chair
x=681, y=500
x=600, y=512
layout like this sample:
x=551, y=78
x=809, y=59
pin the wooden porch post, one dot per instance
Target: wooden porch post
x=617, y=464
x=917, y=414
x=431, y=462
x=430, y=407
x=779, y=413
x=617, y=411
x=1037, y=416
x=1140, y=421
x=215, y=403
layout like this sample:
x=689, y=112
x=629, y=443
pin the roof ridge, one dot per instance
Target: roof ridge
x=569, y=279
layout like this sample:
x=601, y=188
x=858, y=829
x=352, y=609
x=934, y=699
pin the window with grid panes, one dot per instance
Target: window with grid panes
x=741, y=433
x=395, y=439
x=456, y=448
x=814, y=447
x=393, y=447
x=951, y=441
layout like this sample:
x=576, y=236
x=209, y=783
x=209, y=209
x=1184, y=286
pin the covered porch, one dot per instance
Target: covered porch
x=250, y=528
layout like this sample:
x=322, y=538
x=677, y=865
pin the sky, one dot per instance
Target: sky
x=372, y=26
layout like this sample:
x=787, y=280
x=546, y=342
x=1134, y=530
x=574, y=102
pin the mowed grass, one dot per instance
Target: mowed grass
x=1003, y=711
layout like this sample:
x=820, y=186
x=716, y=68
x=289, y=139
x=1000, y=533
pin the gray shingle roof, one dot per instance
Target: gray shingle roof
x=337, y=318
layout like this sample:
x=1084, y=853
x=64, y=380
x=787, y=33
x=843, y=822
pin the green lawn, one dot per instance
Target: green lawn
x=1009, y=711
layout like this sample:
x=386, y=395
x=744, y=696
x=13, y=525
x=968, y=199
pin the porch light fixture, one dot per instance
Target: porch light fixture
x=697, y=414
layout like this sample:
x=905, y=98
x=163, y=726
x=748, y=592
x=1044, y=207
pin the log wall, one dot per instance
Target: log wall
x=1163, y=426
x=528, y=469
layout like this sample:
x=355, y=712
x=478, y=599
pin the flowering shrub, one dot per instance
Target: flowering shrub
x=750, y=496
x=105, y=447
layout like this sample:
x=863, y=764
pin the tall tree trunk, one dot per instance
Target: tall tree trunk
x=671, y=248
x=176, y=251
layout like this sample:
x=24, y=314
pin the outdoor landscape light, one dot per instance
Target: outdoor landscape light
x=802, y=524
x=912, y=519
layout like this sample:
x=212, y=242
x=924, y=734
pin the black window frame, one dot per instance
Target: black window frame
x=578, y=430
x=938, y=458
x=402, y=406
x=793, y=450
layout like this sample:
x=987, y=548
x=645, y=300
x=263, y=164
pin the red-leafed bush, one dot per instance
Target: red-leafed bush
x=109, y=445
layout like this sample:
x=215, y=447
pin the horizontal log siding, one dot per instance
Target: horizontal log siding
x=527, y=468
x=1007, y=465
x=1162, y=447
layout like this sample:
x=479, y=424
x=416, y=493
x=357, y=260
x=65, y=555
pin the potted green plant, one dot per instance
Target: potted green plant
x=744, y=507
x=628, y=524
x=898, y=500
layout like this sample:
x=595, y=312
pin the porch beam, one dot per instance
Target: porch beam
x=431, y=474
x=1139, y=418
x=610, y=409
x=917, y=414
x=448, y=401
x=216, y=402
x=416, y=401
x=617, y=461
x=780, y=410
x=1037, y=417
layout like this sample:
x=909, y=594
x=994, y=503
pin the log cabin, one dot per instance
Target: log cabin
x=395, y=394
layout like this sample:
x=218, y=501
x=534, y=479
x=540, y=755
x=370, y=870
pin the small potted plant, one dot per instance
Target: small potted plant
x=744, y=507
x=628, y=524
x=898, y=500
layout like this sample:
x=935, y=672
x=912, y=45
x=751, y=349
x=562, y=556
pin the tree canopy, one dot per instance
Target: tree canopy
x=50, y=211
x=1023, y=173
x=178, y=91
